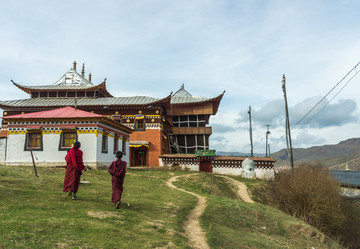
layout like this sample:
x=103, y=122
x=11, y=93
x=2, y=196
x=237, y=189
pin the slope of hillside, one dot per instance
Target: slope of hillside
x=352, y=165
x=329, y=155
x=152, y=214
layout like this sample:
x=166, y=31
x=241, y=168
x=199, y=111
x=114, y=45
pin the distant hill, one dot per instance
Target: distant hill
x=224, y=153
x=334, y=156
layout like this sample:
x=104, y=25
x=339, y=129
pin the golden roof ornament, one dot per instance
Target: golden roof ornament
x=83, y=70
x=74, y=65
x=90, y=77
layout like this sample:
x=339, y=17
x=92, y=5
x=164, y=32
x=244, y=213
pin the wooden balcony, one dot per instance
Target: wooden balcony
x=191, y=130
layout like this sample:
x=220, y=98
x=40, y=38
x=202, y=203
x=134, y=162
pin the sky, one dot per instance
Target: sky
x=150, y=48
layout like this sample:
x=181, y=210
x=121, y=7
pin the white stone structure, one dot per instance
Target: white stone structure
x=48, y=135
x=248, y=166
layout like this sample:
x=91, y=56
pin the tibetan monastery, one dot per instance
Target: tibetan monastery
x=177, y=123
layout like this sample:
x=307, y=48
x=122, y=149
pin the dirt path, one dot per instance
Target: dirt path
x=193, y=230
x=242, y=189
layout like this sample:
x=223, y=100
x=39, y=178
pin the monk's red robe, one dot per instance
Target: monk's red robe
x=74, y=167
x=117, y=169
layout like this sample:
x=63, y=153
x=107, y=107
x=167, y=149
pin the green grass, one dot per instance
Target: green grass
x=232, y=223
x=35, y=213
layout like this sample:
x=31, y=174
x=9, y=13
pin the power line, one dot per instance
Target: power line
x=353, y=69
x=329, y=100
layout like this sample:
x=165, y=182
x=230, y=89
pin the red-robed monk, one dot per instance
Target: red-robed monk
x=117, y=169
x=74, y=161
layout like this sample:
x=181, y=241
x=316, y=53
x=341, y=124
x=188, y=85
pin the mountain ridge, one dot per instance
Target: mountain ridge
x=333, y=156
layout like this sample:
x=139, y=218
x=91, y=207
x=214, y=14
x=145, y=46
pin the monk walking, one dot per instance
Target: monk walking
x=74, y=161
x=117, y=169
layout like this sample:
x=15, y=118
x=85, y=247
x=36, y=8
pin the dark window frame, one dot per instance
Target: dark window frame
x=27, y=139
x=116, y=144
x=64, y=148
x=123, y=145
x=104, y=143
x=138, y=127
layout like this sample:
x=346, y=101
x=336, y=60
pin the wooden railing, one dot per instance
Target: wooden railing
x=191, y=130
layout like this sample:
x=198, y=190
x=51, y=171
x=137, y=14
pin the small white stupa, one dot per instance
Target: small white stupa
x=248, y=167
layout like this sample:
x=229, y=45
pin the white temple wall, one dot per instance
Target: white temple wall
x=51, y=156
x=88, y=147
x=2, y=149
x=228, y=171
x=15, y=150
x=104, y=159
x=265, y=173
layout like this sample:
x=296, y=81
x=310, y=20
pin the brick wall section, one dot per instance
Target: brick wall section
x=155, y=137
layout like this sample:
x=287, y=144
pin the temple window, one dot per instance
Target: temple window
x=123, y=148
x=104, y=143
x=90, y=94
x=61, y=94
x=71, y=94
x=81, y=94
x=33, y=141
x=116, y=143
x=35, y=94
x=52, y=94
x=139, y=125
x=68, y=139
x=43, y=94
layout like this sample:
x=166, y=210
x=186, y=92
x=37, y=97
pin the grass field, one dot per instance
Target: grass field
x=35, y=213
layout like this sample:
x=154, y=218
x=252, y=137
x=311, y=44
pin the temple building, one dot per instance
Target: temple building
x=46, y=136
x=175, y=124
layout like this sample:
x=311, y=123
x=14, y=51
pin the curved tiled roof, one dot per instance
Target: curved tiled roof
x=51, y=102
x=70, y=81
x=72, y=78
x=182, y=96
x=65, y=87
x=182, y=92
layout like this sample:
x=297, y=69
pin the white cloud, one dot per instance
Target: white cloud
x=150, y=48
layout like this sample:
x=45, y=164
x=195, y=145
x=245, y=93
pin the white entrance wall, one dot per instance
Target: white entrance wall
x=91, y=142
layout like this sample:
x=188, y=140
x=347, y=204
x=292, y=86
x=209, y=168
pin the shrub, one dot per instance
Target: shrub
x=350, y=230
x=310, y=194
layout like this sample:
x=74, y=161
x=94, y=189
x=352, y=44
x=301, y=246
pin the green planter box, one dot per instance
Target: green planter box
x=205, y=152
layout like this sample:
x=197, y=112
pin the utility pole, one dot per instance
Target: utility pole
x=267, y=146
x=250, y=130
x=288, y=134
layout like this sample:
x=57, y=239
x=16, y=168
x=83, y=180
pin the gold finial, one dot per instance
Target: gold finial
x=74, y=65
x=182, y=85
x=90, y=77
x=83, y=70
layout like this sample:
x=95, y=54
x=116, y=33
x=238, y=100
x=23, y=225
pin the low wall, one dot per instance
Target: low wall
x=264, y=167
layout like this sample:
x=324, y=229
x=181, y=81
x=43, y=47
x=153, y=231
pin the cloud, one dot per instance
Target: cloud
x=217, y=139
x=273, y=113
x=336, y=114
x=305, y=139
x=222, y=128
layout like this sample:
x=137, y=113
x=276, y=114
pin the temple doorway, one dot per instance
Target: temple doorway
x=205, y=165
x=139, y=156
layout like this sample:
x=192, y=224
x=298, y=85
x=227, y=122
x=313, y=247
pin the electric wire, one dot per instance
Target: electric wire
x=322, y=99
